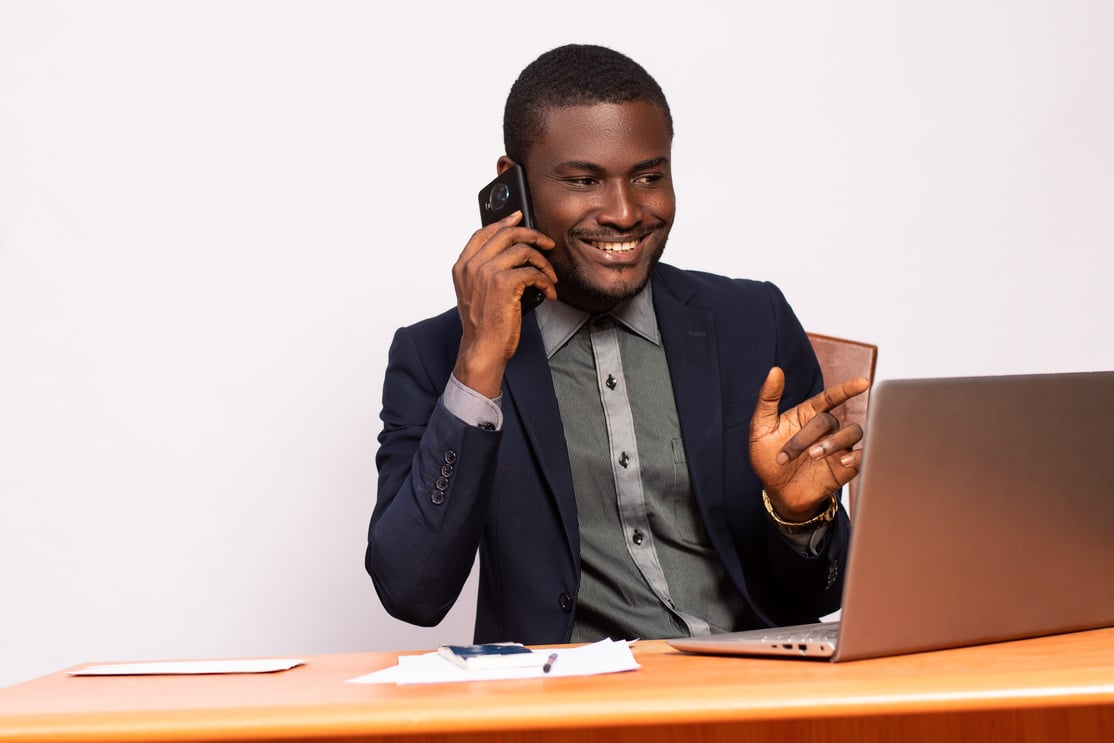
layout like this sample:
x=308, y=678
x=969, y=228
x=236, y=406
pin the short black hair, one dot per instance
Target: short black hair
x=573, y=75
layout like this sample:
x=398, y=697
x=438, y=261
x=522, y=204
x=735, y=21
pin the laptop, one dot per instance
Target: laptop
x=985, y=513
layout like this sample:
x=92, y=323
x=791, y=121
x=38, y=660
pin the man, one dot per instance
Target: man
x=617, y=456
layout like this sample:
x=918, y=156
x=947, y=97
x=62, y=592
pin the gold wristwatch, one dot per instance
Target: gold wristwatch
x=802, y=527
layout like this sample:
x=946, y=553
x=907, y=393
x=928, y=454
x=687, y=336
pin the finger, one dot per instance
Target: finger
x=515, y=247
x=540, y=276
x=497, y=236
x=527, y=257
x=839, y=394
x=484, y=234
x=521, y=266
x=845, y=464
x=497, y=255
x=852, y=460
x=769, y=397
x=506, y=238
x=819, y=426
x=844, y=438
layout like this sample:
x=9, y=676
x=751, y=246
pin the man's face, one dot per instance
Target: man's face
x=601, y=185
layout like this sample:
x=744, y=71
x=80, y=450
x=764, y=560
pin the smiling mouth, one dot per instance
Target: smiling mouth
x=614, y=247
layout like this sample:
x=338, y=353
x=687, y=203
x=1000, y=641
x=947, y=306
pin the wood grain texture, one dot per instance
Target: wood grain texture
x=1053, y=688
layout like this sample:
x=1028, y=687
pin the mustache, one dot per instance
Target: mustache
x=615, y=236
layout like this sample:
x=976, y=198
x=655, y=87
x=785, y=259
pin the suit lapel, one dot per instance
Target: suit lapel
x=688, y=334
x=529, y=388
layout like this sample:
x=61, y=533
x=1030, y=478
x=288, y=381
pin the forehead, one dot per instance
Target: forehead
x=609, y=135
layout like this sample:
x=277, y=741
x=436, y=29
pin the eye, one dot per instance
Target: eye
x=583, y=181
x=649, y=179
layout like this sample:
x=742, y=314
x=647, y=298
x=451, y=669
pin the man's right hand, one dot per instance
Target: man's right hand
x=492, y=272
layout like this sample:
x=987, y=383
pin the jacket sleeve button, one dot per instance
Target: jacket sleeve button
x=437, y=497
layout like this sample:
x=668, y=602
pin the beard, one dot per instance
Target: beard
x=570, y=276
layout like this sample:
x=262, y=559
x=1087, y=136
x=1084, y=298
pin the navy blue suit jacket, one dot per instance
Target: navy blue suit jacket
x=447, y=489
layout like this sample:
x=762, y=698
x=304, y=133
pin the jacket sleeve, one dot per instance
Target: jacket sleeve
x=435, y=475
x=808, y=586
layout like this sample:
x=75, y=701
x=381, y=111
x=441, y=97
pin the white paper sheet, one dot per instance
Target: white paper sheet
x=190, y=667
x=605, y=656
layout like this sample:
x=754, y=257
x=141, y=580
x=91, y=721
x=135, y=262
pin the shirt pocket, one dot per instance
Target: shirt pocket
x=686, y=516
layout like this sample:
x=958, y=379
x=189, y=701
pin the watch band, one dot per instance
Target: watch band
x=801, y=527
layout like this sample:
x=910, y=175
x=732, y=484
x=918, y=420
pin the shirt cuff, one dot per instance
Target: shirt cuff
x=806, y=536
x=472, y=407
x=807, y=544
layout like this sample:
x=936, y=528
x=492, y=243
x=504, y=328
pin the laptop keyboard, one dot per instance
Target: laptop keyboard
x=821, y=632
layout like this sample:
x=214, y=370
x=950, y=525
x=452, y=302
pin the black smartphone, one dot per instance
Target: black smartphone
x=506, y=194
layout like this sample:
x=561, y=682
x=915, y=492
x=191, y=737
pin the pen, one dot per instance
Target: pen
x=549, y=662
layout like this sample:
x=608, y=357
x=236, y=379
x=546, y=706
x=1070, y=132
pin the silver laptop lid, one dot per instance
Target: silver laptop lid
x=985, y=512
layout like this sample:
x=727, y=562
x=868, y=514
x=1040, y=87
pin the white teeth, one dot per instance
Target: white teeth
x=616, y=247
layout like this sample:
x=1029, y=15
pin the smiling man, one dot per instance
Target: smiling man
x=601, y=179
x=648, y=454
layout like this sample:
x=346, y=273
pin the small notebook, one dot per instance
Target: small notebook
x=492, y=655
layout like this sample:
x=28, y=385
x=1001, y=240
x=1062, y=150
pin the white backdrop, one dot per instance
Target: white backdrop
x=214, y=214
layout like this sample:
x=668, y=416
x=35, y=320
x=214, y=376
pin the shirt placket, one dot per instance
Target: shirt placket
x=626, y=469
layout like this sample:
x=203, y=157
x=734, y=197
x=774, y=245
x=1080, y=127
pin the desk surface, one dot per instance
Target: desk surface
x=1051, y=688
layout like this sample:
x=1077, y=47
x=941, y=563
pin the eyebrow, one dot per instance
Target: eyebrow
x=594, y=168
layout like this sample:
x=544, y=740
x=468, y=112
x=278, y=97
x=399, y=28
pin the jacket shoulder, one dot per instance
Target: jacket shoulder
x=430, y=345
x=714, y=290
x=448, y=322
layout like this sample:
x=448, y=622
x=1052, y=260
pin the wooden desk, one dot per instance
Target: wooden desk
x=1057, y=688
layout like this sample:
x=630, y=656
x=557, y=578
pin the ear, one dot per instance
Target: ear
x=503, y=164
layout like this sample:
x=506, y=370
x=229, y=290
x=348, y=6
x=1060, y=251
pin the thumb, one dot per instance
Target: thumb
x=769, y=395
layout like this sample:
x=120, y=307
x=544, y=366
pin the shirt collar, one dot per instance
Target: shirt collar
x=559, y=321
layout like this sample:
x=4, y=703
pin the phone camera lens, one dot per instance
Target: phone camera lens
x=498, y=197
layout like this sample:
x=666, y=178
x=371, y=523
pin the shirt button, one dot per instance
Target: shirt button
x=450, y=457
x=638, y=537
x=437, y=497
x=565, y=601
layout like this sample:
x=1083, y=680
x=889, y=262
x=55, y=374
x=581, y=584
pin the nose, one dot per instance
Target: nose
x=621, y=207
